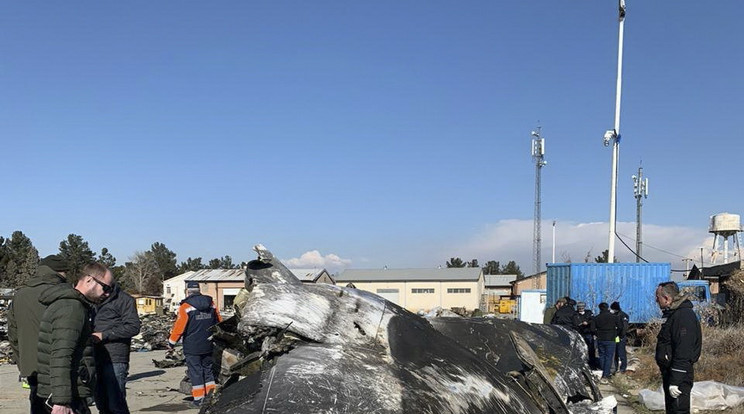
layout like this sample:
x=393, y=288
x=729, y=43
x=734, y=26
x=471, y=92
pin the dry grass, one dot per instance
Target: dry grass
x=722, y=359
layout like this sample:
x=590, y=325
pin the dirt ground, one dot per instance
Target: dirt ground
x=150, y=389
x=154, y=390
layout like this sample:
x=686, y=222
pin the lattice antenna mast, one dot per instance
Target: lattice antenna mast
x=640, y=191
x=538, y=155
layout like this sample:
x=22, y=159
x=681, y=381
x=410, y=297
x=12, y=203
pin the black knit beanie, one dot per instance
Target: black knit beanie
x=56, y=262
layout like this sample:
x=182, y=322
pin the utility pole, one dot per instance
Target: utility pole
x=687, y=266
x=538, y=155
x=553, y=261
x=613, y=135
x=640, y=191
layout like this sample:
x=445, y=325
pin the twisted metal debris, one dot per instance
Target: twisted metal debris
x=305, y=348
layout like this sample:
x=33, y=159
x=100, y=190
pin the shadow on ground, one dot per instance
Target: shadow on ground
x=147, y=374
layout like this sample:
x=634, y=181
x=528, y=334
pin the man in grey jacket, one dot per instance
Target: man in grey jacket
x=115, y=323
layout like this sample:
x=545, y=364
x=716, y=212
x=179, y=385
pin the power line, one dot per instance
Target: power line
x=653, y=247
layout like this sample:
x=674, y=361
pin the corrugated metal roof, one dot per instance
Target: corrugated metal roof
x=307, y=275
x=499, y=280
x=217, y=275
x=180, y=277
x=380, y=275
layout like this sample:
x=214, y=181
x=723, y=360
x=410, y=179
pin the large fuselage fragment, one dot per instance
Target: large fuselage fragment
x=349, y=351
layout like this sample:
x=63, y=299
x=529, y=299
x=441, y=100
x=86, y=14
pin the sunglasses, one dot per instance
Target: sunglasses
x=106, y=288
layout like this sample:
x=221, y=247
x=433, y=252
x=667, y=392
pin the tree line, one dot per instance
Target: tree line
x=144, y=273
x=492, y=267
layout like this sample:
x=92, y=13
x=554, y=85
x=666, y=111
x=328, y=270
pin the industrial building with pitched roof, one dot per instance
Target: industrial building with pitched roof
x=421, y=289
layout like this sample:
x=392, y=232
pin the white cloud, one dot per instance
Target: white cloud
x=512, y=240
x=313, y=259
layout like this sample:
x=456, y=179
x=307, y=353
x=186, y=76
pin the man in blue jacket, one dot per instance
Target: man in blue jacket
x=196, y=315
x=678, y=346
x=116, y=322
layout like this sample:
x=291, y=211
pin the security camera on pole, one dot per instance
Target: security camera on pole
x=613, y=136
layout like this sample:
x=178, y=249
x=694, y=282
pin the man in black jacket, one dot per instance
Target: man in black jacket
x=25, y=315
x=564, y=316
x=606, y=327
x=116, y=322
x=621, y=355
x=678, y=346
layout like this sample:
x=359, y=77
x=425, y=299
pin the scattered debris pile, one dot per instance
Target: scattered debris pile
x=153, y=333
x=306, y=348
x=172, y=359
x=5, y=351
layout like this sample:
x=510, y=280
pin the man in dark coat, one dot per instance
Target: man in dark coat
x=550, y=312
x=606, y=327
x=564, y=316
x=583, y=323
x=25, y=315
x=195, y=315
x=65, y=352
x=621, y=355
x=114, y=325
x=678, y=347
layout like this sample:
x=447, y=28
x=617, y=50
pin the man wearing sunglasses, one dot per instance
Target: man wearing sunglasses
x=114, y=325
x=66, y=367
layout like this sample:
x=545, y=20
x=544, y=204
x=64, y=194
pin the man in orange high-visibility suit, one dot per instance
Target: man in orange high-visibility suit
x=195, y=315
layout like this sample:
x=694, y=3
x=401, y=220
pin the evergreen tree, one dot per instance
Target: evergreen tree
x=214, y=264
x=107, y=259
x=604, y=257
x=455, y=262
x=166, y=260
x=191, y=264
x=492, y=267
x=77, y=253
x=512, y=268
x=18, y=260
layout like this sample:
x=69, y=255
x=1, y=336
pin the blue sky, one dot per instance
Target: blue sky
x=363, y=134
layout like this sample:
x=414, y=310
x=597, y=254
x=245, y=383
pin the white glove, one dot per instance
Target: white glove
x=674, y=391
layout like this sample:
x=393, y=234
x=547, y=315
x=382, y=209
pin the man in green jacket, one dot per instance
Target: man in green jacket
x=25, y=314
x=66, y=367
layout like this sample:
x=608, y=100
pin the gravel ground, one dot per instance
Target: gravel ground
x=150, y=389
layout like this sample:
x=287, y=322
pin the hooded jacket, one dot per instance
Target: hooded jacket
x=66, y=368
x=196, y=315
x=117, y=320
x=679, y=341
x=25, y=315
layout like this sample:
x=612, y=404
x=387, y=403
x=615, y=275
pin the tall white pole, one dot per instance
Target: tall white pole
x=616, y=137
x=553, y=261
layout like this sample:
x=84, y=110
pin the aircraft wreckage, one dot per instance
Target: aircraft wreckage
x=318, y=348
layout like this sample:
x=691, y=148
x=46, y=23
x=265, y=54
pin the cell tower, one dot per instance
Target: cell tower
x=538, y=155
x=640, y=191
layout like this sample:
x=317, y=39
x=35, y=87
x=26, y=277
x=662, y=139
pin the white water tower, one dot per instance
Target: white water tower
x=725, y=225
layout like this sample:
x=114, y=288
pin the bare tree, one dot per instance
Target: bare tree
x=141, y=268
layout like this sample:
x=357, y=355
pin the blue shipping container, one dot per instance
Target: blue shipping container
x=631, y=284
